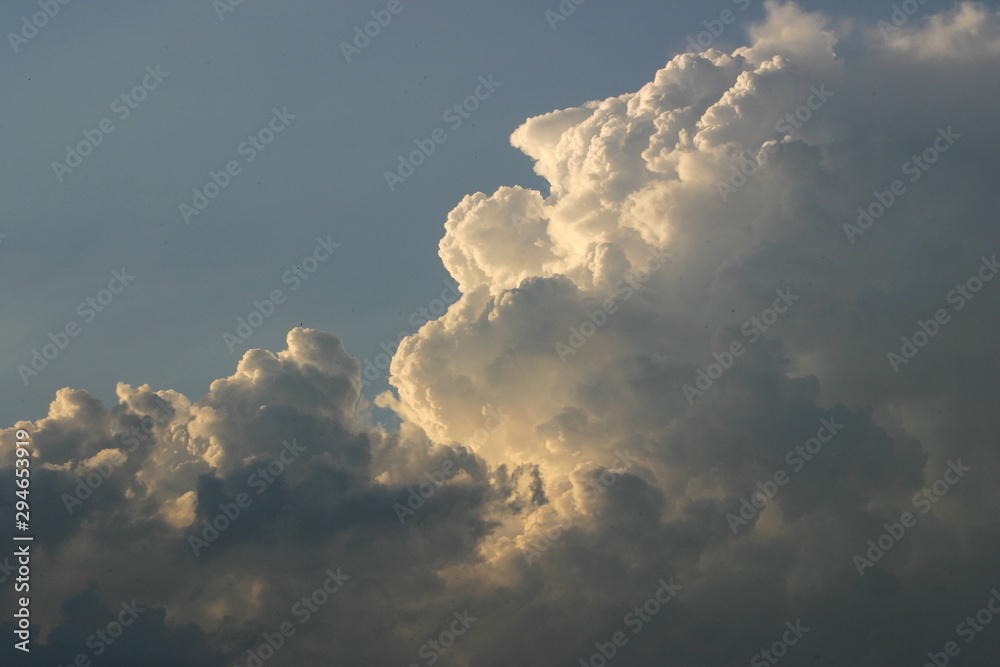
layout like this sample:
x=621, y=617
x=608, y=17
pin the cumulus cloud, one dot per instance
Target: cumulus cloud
x=967, y=31
x=636, y=354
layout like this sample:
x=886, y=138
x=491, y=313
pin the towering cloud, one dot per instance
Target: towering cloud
x=738, y=360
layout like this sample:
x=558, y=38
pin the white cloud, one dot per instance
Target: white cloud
x=630, y=176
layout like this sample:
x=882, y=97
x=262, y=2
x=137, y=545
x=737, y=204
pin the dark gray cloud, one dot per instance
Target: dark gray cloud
x=728, y=424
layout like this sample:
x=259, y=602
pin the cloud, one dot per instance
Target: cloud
x=599, y=459
x=968, y=31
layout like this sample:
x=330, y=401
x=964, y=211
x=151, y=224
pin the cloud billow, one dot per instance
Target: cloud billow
x=511, y=442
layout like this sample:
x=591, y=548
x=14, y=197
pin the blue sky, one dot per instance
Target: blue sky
x=698, y=318
x=324, y=176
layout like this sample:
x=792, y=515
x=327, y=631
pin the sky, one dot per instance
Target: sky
x=410, y=332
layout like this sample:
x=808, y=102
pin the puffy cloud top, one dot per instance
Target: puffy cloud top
x=677, y=365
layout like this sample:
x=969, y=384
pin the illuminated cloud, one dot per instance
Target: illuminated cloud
x=549, y=492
